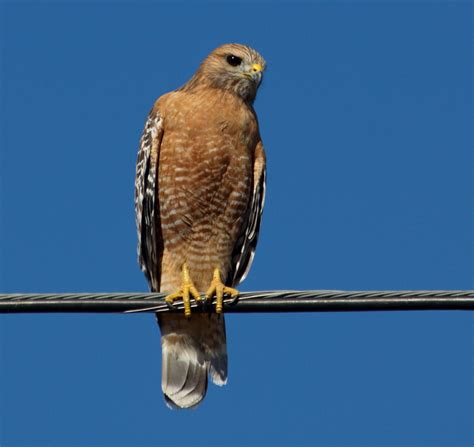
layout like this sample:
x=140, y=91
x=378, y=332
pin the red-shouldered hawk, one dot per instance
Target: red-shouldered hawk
x=199, y=193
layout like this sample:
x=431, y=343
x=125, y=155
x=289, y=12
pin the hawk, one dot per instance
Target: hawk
x=199, y=194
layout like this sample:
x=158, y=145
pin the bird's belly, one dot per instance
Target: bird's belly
x=204, y=193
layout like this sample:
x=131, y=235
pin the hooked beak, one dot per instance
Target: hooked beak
x=254, y=72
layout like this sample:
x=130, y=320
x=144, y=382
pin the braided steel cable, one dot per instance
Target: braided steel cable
x=265, y=301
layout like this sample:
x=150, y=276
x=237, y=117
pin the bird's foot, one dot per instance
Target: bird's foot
x=219, y=289
x=184, y=293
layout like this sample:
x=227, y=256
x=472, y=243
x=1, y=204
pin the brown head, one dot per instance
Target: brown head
x=231, y=67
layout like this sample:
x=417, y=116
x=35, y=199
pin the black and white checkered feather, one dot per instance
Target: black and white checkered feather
x=145, y=199
x=244, y=250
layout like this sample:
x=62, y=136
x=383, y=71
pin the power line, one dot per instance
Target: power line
x=270, y=301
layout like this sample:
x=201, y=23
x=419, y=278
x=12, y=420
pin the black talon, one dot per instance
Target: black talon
x=232, y=300
x=171, y=306
x=201, y=301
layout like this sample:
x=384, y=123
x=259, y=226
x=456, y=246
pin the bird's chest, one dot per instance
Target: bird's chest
x=211, y=126
x=208, y=141
x=206, y=163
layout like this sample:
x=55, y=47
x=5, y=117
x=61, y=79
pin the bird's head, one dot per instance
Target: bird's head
x=235, y=68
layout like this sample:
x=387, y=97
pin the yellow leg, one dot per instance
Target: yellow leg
x=218, y=288
x=185, y=293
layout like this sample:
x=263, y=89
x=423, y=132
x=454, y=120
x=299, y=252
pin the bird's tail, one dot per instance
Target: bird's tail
x=191, y=349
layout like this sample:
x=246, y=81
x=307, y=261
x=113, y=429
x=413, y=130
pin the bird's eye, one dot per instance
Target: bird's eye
x=233, y=60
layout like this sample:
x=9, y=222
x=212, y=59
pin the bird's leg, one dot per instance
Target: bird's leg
x=218, y=288
x=186, y=291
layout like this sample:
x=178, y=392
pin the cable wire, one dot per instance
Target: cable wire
x=265, y=301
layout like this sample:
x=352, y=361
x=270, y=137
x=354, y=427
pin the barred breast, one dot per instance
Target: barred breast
x=204, y=183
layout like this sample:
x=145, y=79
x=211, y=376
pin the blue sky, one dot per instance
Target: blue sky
x=366, y=115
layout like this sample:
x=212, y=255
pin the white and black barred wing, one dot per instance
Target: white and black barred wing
x=146, y=195
x=244, y=250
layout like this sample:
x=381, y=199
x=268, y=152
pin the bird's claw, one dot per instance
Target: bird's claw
x=170, y=303
x=218, y=289
x=233, y=299
x=185, y=293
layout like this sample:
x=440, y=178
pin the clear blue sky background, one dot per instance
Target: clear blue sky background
x=366, y=114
